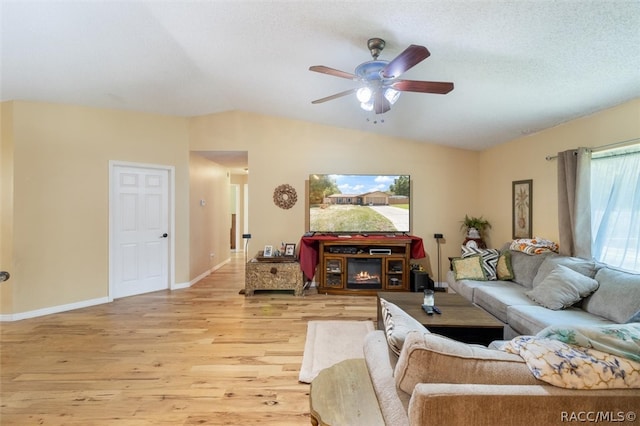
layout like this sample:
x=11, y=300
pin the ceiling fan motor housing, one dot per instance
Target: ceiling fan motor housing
x=375, y=46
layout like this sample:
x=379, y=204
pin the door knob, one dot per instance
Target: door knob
x=4, y=276
x=165, y=235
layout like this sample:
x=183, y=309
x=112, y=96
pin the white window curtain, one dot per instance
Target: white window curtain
x=615, y=207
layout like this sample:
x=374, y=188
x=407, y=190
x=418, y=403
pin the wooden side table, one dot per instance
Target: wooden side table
x=343, y=395
x=273, y=275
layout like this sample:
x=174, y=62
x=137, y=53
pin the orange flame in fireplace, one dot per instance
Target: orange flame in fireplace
x=365, y=276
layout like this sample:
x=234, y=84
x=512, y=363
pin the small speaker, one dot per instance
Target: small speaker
x=421, y=281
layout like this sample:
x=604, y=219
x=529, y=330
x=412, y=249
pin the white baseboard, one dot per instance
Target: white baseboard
x=53, y=309
x=202, y=276
x=206, y=273
x=98, y=301
x=221, y=264
x=180, y=286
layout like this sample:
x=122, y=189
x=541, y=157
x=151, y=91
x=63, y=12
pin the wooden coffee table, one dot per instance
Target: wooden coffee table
x=460, y=319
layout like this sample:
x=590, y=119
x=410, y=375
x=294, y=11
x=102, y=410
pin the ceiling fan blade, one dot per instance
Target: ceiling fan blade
x=331, y=71
x=380, y=103
x=438, y=87
x=336, y=96
x=411, y=56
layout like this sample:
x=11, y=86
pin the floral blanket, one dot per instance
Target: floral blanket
x=604, y=357
x=534, y=246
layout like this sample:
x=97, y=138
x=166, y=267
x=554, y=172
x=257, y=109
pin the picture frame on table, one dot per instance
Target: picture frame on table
x=522, y=207
x=290, y=250
x=268, y=251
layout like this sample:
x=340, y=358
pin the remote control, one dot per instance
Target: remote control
x=428, y=309
x=436, y=310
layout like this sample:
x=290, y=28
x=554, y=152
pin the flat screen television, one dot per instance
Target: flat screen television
x=359, y=203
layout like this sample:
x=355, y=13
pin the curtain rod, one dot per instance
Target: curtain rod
x=602, y=147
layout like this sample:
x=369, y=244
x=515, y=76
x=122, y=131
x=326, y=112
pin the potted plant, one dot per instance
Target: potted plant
x=474, y=227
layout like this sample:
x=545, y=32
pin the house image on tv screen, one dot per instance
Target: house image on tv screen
x=359, y=203
x=376, y=198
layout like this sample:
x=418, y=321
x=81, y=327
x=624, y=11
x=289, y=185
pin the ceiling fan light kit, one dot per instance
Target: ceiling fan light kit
x=379, y=84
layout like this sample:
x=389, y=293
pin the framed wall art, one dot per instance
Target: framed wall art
x=522, y=202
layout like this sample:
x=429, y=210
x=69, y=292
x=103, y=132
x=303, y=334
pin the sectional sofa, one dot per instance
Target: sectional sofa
x=539, y=290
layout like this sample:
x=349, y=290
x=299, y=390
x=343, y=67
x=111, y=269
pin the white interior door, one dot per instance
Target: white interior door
x=140, y=234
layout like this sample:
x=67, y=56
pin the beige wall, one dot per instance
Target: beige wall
x=61, y=196
x=524, y=158
x=54, y=191
x=209, y=223
x=6, y=204
x=281, y=151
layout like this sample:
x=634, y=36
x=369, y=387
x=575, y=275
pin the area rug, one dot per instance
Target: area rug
x=329, y=342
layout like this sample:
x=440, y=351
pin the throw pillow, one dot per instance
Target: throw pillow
x=489, y=259
x=634, y=318
x=432, y=358
x=469, y=268
x=562, y=288
x=617, y=298
x=397, y=323
x=585, y=267
x=525, y=266
x=504, y=270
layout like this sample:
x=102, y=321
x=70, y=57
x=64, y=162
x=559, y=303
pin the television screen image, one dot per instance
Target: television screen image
x=359, y=203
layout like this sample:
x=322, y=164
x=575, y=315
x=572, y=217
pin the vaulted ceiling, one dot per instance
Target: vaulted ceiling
x=518, y=66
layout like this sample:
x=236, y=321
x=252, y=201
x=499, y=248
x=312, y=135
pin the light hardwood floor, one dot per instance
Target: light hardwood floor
x=205, y=355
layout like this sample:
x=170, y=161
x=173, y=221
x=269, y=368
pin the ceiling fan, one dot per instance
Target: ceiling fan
x=380, y=86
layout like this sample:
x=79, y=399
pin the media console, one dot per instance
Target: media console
x=359, y=265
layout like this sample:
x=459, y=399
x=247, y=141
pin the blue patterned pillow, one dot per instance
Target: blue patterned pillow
x=489, y=259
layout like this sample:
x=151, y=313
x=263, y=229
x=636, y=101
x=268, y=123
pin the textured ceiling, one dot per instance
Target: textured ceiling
x=518, y=66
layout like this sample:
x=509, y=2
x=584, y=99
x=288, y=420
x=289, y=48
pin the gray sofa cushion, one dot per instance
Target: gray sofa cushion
x=617, y=297
x=587, y=268
x=462, y=287
x=529, y=320
x=561, y=288
x=495, y=299
x=465, y=288
x=525, y=266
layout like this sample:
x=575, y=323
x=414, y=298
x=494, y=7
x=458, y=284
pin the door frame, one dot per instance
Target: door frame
x=113, y=164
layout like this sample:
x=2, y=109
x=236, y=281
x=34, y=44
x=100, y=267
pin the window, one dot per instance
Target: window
x=615, y=207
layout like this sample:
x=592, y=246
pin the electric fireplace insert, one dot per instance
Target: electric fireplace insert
x=363, y=273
